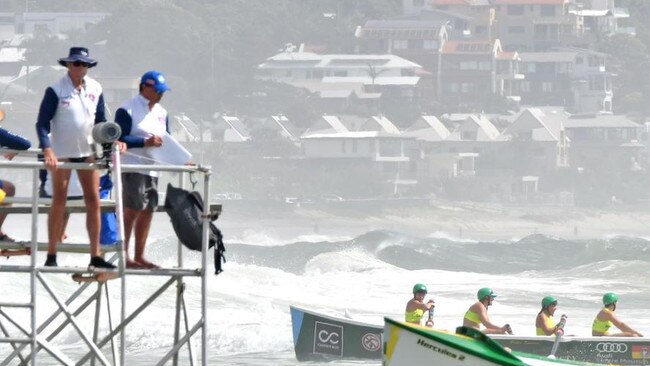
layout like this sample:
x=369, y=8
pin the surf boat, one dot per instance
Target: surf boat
x=605, y=350
x=408, y=345
x=320, y=337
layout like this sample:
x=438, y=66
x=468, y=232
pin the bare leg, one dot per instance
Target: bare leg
x=130, y=217
x=89, y=180
x=10, y=190
x=60, y=180
x=142, y=226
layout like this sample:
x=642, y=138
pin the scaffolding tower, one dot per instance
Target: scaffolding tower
x=29, y=341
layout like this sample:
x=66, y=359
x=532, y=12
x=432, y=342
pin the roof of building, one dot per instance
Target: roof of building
x=542, y=127
x=600, y=121
x=380, y=123
x=293, y=59
x=428, y=128
x=485, y=130
x=530, y=2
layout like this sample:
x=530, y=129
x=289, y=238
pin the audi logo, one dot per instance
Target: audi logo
x=611, y=347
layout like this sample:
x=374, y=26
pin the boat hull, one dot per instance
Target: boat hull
x=408, y=345
x=319, y=337
x=606, y=350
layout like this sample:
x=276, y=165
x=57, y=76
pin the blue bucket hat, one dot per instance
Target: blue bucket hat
x=78, y=54
x=155, y=79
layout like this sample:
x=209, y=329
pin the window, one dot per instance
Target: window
x=288, y=73
x=468, y=65
x=480, y=29
x=317, y=74
x=343, y=146
x=430, y=44
x=547, y=11
x=596, y=82
x=341, y=73
x=595, y=61
x=517, y=29
x=530, y=67
x=515, y=10
x=354, y=145
x=579, y=60
x=418, y=3
x=400, y=44
x=524, y=87
x=485, y=65
x=547, y=87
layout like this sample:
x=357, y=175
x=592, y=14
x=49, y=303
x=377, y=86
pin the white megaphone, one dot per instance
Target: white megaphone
x=106, y=132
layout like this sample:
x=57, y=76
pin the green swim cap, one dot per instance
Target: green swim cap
x=420, y=287
x=485, y=291
x=548, y=301
x=610, y=298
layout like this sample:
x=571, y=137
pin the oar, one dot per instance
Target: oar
x=558, y=336
x=431, y=315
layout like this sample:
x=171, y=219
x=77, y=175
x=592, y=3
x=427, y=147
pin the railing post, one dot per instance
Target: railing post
x=119, y=213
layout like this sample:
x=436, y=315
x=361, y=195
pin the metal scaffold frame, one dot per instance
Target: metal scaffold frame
x=27, y=342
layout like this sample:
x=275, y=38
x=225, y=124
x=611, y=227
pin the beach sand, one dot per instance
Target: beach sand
x=458, y=220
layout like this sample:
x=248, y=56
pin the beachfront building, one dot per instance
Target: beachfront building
x=603, y=17
x=475, y=72
x=416, y=39
x=365, y=78
x=375, y=154
x=571, y=77
x=605, y=142
x=537, y=25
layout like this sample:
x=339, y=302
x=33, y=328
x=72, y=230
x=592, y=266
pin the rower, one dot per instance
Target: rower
x=477, y=314
x=416, y=307
x=544, y=323
x=606, y=318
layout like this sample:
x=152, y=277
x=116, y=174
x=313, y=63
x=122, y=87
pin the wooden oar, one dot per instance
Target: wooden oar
x=560, y=326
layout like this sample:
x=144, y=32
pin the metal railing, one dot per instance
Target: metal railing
x=35, y=336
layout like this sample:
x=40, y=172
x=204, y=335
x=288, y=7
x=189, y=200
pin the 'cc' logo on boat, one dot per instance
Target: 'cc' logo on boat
x=611, y=347
x=328, y=337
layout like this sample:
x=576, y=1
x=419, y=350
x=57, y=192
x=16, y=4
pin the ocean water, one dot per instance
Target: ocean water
x=349, y=266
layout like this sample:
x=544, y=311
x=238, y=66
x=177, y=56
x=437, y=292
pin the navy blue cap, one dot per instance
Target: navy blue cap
x=78, y=54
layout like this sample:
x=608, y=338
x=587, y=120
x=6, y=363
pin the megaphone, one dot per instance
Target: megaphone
x=106, y=132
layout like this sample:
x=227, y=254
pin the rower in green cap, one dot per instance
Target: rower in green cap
x=477, y=314
x=544, y=323
x=416, y=307
x=606, y=318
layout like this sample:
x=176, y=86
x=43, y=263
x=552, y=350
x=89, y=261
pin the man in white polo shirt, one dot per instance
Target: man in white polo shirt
x=69, y=110
x=144, y=122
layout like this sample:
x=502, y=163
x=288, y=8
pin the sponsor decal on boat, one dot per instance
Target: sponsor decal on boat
x=437, y=348
x=328, y=339
x=641, y=351
x=611, y=347
x=371, y=342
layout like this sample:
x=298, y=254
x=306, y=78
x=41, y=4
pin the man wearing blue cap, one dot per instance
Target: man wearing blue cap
x=69, y=110
x=143, y=121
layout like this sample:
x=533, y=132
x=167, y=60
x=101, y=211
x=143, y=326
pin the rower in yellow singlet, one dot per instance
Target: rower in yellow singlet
x=606, y=318
x=477, y=314
x=544, y=323
x=416, y=307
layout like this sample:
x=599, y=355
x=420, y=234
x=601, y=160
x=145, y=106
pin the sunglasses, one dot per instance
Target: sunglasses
x=80, y=64
x=154, y=89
